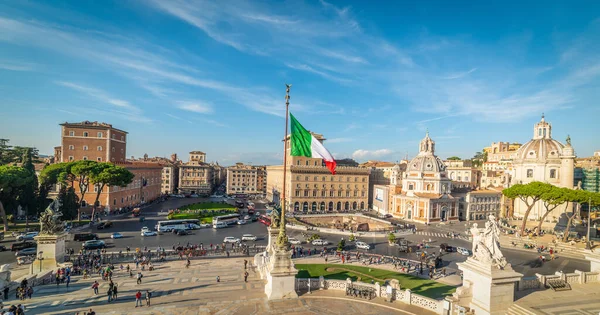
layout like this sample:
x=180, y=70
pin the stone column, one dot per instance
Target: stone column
x=52, y=248
x=492, y=288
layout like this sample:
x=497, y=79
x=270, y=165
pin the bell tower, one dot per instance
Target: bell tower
x=427, y=146
x=542, y=130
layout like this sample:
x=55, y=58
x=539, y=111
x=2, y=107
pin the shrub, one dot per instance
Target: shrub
x=341, y=245
x=391, y=238
x=352, y=238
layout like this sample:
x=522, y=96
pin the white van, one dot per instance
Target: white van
x=219, y=225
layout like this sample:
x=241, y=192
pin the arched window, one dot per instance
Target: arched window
x=338, y=206
x=354, y=205
x=322, y=206
x=296, y=206
x=347, y=205
x=313, y=207
x=305, y=207
x=530, y=173
x=330, y=208
x=552, y=173
x=362, y=205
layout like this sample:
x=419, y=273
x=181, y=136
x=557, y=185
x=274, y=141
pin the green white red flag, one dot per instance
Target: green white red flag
x=303, y=143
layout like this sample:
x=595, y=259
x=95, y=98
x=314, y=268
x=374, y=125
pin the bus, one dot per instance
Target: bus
x=266, y=220
x=229, y=219
x=170, y=225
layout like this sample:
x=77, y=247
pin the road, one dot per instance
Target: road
x=522, y=261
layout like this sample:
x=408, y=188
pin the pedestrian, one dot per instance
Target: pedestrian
x=29, y=292
x=139, y=277
x=218, y=279
x=245, y=264
x=245, y=276
x=95, y=287
x=148, y=296
x=109, y=294
x=115, y=293
x=68, y=280
x=138, y=299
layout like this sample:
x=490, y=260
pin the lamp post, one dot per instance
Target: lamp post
x=40, y=258
x=588, y=244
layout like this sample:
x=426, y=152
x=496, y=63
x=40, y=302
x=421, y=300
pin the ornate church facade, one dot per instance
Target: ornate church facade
x=425, y=195
x=543, y=159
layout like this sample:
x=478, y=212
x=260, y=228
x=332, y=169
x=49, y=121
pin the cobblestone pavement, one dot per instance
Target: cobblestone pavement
x=177, y=290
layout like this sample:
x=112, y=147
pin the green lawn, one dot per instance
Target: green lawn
x=203, y=219
x=428, y=288
x=209, y=206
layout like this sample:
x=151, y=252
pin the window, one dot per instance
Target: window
x=411, y=186
x=99, y=134
x=99, y=148
x=85, y=134
x=85, y=148
x=113, y=149
x=297, y=162
x=552, y=173
x=71, y=147
x=529, y=173
x=121, y=150
x=70, y=158
x=122, y=138
x=72, y=133
x=99, y=159
x=85, y=158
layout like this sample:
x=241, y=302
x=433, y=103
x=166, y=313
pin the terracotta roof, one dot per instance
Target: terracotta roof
x=485, y=191
x=376, y=164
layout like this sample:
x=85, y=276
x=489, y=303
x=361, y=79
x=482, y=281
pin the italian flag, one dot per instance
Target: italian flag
x=303, y=143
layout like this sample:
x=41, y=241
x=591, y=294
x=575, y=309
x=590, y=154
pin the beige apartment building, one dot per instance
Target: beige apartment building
x=499, y=151
x=462, y=173
x=310, y=187
x=196, y=176
x=242, y=180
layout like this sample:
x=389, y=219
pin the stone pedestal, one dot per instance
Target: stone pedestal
x=273, y=233
x=53, y=252
x=491, y=290
x=281, y=276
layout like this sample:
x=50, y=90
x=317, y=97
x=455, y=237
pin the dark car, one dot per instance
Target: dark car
x=104, y=225
x=3, y=248
x=85, y=237
x=19, y=246
x=447, y=248
x=27, y=252
x=93, y=245
x=182, y=232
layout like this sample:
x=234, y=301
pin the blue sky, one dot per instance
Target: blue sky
x=209, y=75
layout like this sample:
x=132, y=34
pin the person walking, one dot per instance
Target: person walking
x=95, y=287
x=138, y=299
x=68, y=281
x=245, y=264
x=148, y=296
x=29, y=292
x=109, y=294
x=139, y=277
x=115, y=293
x=245, y=276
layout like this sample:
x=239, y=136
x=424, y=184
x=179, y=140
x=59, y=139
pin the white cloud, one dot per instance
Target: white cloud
x=366, y=154
x=195, y=106
x=307, y=68
x=338, y=140
x=16, y=65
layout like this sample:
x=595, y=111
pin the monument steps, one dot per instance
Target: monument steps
x=519, y=310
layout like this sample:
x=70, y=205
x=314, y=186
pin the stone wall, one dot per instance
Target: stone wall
x=346, y=222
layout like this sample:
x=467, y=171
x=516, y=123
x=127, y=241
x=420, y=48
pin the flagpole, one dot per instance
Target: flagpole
x=282, y=238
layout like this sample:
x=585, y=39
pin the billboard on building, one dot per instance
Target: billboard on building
x=379, y=194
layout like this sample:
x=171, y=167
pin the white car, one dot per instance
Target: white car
x=247, y=217
x=194, y=226
x=27, y=237
x=116, y=235
x=145, y=228
x=241, y=222
x=463, y=251
x=249, y=237
x=149, y=233
x=363, y=245
x=294, y=241
x=320, y=242
x=205, y=225
x=231, y=239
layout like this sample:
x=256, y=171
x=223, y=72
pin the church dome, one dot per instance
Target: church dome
x=542, y=146
x=426, y=160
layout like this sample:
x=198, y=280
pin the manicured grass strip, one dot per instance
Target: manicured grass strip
x=208, y=206
x=428, y=288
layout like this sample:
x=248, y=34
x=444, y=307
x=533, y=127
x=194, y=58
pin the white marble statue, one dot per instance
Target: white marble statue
x=486, y=244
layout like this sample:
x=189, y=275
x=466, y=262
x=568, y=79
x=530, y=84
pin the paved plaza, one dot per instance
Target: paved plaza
x=177, y=290
x=581, y=299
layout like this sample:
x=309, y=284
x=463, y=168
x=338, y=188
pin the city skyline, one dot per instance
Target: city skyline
x=190, y=75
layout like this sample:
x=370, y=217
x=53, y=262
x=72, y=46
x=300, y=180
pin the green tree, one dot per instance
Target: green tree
x=69, y=202
x=13, y=180
x=391, y=238
x=529, y=194
x=82, y=171
x=553, y=198
x=341, y=245
x=29, y=195
x=454, y=158
x=6, y=152
x=108, y=174
x=352, y=238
